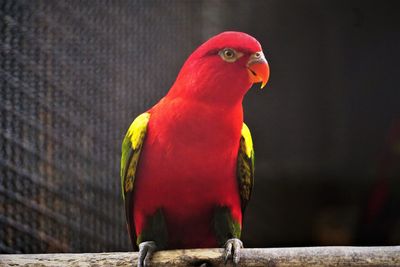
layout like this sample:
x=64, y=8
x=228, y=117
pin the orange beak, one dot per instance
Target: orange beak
x=258, y=70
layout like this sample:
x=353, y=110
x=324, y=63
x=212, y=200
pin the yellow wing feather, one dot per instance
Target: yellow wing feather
x=248, y=140
x=131, y=148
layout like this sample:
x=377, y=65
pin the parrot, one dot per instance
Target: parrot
x=187, y=163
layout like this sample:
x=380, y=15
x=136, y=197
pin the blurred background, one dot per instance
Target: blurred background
x=74, y=74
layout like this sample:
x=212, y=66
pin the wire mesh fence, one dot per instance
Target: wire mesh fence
x=73, y=75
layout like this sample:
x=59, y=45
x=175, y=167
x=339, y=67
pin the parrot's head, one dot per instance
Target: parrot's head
x=223, y=68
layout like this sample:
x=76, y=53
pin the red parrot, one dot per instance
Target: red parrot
x=187, y=163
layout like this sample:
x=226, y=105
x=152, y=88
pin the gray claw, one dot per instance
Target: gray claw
x=232, y=250
x=146, y=250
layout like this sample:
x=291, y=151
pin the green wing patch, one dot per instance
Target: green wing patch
x=225, y=226
x=245, y=166
x=131, y=148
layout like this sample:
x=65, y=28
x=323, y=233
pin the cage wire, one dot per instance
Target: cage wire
x=73, y=76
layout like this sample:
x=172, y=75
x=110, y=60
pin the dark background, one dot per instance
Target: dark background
x=74, y=74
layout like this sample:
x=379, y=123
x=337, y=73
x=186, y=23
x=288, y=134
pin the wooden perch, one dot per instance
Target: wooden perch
x=309, y=256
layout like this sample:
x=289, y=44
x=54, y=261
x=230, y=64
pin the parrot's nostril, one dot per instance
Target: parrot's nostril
x=252, y=72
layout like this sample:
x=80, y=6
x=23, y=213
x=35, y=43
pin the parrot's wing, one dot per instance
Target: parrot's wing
x=245, y=166
x=131, y=148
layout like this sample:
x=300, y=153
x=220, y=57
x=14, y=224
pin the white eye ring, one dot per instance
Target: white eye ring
x=229, y=55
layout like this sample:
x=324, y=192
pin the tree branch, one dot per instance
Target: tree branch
x=307, y=256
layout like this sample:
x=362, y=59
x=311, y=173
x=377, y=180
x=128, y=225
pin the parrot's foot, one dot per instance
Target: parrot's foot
x=146, y=250
x=232, y=250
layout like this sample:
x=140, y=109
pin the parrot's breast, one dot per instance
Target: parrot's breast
x=187, y=168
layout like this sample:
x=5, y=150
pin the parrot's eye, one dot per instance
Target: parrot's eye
x=229, y=55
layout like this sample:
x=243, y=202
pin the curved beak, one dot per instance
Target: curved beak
x=258, y=69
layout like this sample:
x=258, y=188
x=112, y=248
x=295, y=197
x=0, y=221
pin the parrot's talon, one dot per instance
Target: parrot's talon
x=232, y=250
x=146, y=250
